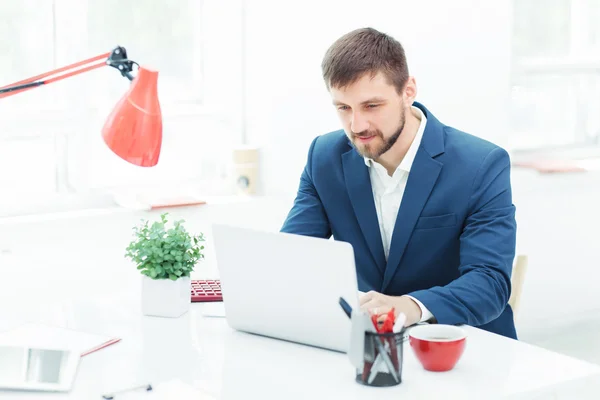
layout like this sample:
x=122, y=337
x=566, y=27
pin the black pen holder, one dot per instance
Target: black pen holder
x=382, y=359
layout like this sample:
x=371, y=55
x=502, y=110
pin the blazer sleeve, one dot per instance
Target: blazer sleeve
x=487, y=249
x=307, y=216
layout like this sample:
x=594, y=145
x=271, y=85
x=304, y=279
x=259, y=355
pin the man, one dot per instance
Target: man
x=427, y=208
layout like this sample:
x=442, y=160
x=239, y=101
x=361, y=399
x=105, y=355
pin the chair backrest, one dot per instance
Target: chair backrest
x=517, y=280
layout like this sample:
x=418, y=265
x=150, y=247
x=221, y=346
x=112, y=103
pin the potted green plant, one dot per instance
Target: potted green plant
x=165, y=256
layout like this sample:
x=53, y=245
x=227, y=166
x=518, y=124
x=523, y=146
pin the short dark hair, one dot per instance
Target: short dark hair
x=361, y=51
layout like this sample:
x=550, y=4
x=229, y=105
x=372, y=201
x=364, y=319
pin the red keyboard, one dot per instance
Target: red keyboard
x=206, y=290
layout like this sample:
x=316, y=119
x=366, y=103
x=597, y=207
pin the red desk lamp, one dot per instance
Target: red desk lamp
x=133, y=130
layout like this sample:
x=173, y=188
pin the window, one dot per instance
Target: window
x=159, y=34
x=50, y=136
x=556, y=73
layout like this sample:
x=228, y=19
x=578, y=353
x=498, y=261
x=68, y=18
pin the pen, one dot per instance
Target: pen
x=399, y=324
x=398, y=327
x=111, y=396
x=346, y=307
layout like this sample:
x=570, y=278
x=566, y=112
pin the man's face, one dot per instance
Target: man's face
x=372, y=114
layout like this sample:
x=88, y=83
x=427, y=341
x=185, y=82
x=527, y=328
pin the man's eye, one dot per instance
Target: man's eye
x=373, y=105
x=343, y=108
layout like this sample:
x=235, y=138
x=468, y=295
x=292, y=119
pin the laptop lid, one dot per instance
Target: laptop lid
x=286, y=286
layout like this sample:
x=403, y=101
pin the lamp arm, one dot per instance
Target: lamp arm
x=116, y=59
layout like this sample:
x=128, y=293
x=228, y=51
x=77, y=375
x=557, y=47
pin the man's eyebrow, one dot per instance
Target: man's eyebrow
x=373, y=100
x=368, y=101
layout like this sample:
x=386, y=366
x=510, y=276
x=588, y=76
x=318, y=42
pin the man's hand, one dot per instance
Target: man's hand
x=379, y=303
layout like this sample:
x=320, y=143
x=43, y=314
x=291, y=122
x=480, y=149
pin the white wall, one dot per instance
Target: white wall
x=458, y=51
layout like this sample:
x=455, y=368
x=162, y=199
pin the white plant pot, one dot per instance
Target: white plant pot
x=165, y=297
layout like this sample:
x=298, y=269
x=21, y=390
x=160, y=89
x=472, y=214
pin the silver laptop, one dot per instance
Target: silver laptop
x=286, y=286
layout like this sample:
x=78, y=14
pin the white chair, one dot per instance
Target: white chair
x=517, y=280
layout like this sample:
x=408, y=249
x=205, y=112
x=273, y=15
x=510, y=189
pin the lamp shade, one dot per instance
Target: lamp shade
x=133, y=130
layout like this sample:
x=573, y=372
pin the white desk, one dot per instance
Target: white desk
x=204, y=353
x=77, y=278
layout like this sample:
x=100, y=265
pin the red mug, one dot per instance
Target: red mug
x=438, y=347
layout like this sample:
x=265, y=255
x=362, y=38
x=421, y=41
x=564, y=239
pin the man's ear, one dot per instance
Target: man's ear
x=410, y=90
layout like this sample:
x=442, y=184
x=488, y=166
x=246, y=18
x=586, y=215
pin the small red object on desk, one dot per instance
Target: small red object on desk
x=387, y=325
x=206, y=290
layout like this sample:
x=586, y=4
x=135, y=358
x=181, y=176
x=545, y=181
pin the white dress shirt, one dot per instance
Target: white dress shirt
x=388, y=191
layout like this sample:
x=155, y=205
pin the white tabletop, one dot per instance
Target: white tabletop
x=204, y=353
x=81, y=281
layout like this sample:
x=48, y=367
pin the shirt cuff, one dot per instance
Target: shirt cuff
x=425, y=313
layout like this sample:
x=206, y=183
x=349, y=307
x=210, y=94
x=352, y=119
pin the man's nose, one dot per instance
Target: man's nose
x=358, y=123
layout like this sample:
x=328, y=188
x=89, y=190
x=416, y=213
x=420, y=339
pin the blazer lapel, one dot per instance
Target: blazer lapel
x=421, y=181
x=358, y=184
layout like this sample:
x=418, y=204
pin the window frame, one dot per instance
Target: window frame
x=575, y=65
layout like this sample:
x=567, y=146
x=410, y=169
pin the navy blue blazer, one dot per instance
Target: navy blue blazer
x=454, y=240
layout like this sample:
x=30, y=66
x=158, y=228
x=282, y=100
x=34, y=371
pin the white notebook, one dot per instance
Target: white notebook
x=48, y=336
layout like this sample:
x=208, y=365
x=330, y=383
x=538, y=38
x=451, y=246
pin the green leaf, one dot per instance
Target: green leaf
x=164, y=252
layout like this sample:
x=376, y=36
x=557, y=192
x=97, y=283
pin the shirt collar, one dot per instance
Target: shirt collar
x=410, y=155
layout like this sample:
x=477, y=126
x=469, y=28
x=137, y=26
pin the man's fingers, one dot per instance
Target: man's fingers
x=382, y=312
x=367, y=297
x=376, y=306
x=366, y=306
x=370, y=305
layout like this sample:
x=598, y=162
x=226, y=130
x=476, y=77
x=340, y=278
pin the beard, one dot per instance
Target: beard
x=379, y=144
